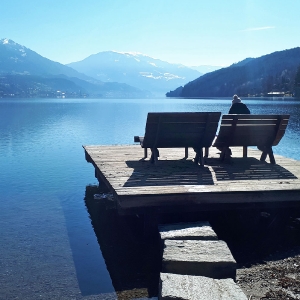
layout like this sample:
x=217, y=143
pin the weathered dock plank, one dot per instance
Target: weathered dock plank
x=176, y=181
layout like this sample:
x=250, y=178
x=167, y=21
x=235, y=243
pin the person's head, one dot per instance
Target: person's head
x=236, y=99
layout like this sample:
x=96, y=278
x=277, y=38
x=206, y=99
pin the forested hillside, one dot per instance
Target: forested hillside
x=275, y=72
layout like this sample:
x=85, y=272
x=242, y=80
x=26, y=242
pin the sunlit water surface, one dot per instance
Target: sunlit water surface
x=48, y=245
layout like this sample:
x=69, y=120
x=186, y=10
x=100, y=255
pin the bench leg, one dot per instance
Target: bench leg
x=267, y=151
x=245, y=150
x=206, y=153
x=271, y=156
x=201, y=159
x=145, y=152
x=186, y=152
x=225, y=154
x=154, y=155
x=196, y=158
x=263, y=156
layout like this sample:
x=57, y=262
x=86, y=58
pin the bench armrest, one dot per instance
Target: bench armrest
x=137, y=139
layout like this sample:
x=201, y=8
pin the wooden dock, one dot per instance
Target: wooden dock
x=177, y=184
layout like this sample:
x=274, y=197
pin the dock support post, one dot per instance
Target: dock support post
x=150, y=224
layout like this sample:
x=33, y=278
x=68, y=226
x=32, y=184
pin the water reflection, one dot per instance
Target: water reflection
x=132, y=261
x=91, y=272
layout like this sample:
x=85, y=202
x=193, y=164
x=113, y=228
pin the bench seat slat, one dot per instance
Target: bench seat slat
x=180, y=117
x=255, y=117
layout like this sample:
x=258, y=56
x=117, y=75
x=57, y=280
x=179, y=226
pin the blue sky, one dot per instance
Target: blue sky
x=190, y=32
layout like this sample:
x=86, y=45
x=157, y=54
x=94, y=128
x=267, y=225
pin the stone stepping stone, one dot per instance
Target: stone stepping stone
x=187, y=287
x=187, y=231
x=196, y=257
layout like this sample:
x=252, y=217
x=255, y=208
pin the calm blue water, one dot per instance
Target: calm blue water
x=46, y=237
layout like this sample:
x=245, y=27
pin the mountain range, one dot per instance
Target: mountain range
x=25, y=73
x=110, y=74
x=268, y=75
x=136, y=69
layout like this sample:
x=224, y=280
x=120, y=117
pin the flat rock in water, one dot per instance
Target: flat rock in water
x=186, y=287
x=195, y=257
x=187, y=231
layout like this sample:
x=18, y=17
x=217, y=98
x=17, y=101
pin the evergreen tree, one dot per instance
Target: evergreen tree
x=297, y=83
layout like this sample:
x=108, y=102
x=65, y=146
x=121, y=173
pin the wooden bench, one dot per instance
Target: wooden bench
x=263, y=131
x=179, y=129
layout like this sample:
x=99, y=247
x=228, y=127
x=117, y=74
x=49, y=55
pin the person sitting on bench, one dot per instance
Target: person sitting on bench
x=238, y=107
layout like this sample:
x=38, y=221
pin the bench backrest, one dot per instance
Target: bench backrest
x=251, y=130
x=180, y=129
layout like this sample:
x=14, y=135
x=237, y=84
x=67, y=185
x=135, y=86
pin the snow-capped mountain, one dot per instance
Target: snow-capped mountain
x=17, y=59
x=137, y=70
x=25, y=72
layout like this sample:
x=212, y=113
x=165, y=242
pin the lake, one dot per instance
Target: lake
x=49, y=248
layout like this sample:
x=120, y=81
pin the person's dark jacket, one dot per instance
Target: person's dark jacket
x=239, y=108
